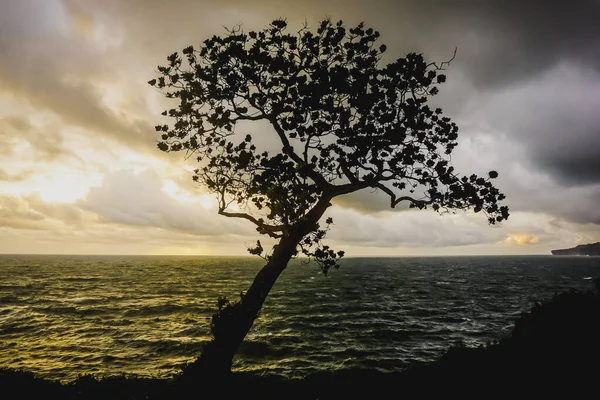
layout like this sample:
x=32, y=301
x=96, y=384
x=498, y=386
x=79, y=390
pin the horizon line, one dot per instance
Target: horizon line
x=251, y=256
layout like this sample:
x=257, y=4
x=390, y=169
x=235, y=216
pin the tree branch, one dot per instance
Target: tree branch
x=347, y=173
x=395, y=200
x=289, y=150
x=261, y=226
x=349, y=188
x=287, y=147
x=440, y=67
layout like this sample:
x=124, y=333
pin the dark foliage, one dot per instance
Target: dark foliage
x=343, y=121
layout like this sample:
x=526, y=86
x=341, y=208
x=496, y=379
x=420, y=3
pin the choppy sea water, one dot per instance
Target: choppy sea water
x=62, y=316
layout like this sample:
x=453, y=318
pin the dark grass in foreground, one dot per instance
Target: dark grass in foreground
x=554, y=347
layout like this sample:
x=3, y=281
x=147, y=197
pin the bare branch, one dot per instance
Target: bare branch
x=394, y=200
x=440, y=67
x=261, y=226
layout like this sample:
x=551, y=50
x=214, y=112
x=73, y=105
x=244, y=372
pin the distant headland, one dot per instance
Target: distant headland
x=592, y=249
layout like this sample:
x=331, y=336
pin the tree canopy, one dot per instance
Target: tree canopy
x=343, y=122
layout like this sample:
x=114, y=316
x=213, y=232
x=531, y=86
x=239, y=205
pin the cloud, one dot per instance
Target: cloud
x=45, y=63
x=504, y=42
x=64, y=212
x=133, y=199
x=31, y=212
x=526, y=70
x=418, y=232
x=521, y=239
x=15, y=214
x=411, y=228
x=75, y=104
x=542, y=135
x=368, y=201
x=555, y=115
x=28, y=224
x=6, y=177
x=528, y=186
x=114, y=239
x=45, y=143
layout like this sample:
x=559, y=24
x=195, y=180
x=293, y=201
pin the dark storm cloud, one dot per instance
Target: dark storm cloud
x=569, y=146
x=511, y=40
x=552, y=49
x=530, y=71
x=499, y=42
x=572, y=168
x=555, y=115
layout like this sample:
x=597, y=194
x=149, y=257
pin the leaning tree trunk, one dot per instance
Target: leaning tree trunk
x=232, y=324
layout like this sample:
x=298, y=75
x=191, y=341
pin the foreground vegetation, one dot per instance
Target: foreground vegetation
x=554, y=347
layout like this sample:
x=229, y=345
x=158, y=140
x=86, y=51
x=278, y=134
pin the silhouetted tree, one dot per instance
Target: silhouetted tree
x=343, y=123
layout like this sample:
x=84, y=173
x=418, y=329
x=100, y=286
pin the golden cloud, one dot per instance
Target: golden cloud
x=521, y=239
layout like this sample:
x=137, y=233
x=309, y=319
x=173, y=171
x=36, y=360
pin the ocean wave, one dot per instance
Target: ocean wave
x=154, y=310
x=151, y=315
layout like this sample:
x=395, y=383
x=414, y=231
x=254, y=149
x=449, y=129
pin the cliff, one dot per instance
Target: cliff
x=592, y=249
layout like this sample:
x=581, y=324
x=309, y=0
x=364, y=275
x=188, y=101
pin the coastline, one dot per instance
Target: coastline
x=591, y=249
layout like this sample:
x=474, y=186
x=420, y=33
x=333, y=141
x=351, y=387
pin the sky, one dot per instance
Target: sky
x=80, y=172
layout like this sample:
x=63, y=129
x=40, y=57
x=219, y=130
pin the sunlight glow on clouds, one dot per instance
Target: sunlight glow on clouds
x=521, y=239
x=62, y=187
x=80, y=172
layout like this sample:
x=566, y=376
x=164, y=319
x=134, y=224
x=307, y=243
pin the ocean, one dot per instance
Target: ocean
x=64, y=316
